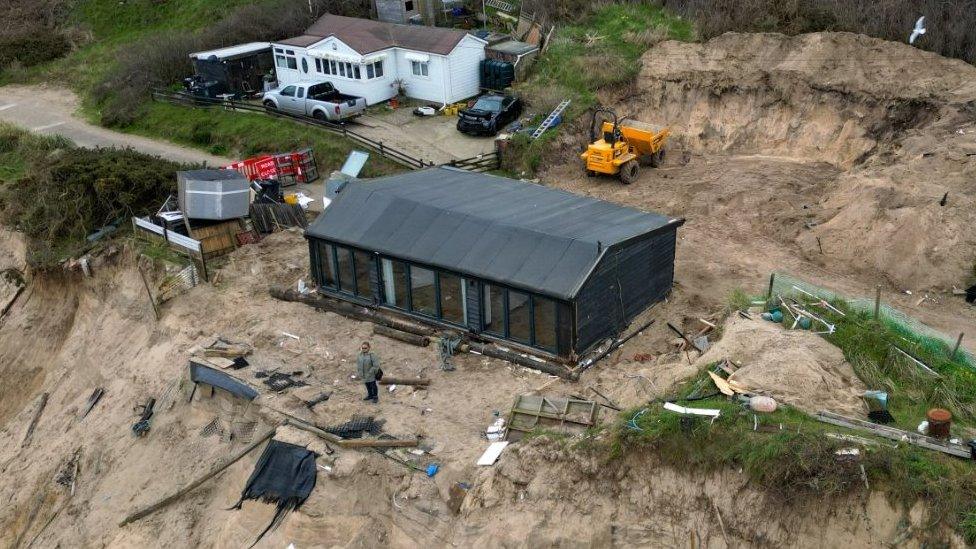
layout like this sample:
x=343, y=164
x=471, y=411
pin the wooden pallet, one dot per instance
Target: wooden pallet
x=531, y=412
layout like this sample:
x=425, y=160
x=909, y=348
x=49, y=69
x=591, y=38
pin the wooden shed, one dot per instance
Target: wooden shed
x=534, y=266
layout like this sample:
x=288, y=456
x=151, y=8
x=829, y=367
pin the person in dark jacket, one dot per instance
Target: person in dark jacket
x=367, y=365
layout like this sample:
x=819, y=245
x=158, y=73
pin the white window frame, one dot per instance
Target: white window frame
x=420, y=69
x=287, y=57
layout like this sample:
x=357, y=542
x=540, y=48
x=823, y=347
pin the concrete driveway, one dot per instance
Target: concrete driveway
x=53, y=110
x=432, y=138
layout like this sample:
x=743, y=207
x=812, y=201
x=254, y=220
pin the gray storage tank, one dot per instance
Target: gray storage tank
x=213, y=194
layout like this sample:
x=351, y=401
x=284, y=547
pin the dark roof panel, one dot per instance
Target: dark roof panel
x=367, y=36
x=521, y=234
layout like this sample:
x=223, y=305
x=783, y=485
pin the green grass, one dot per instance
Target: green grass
x=243, y=134
x=602, y=51
x=793, y=460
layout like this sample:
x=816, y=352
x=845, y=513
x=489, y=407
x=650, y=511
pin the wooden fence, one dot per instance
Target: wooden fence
x=480, y=163
x=396, y=155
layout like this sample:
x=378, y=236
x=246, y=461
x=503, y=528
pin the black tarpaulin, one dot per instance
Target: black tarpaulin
x=285, y=476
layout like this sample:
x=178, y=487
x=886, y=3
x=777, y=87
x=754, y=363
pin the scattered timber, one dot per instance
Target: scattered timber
x=417, y=382
x=350, y=310
x=150, y=509
x=399, y=335
x=892, y=433
x=684, y=337
x=614, y=346
x=515, y=358
x=42, y=402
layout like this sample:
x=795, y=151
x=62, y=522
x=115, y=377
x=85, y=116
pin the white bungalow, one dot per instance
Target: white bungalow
x=373, y=59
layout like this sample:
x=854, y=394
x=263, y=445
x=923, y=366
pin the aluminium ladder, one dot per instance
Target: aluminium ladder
x=550, y=119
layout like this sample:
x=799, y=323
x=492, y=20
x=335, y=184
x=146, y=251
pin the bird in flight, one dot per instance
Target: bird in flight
x=918, y=30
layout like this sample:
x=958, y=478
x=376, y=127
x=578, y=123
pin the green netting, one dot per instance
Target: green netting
x=790, y=286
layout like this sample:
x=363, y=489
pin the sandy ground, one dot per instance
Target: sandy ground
x=53, y=110
x=824, y=156
x=100, y=332
x=777, y=141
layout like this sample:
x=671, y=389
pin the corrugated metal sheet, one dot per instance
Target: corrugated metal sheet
x=520, y=234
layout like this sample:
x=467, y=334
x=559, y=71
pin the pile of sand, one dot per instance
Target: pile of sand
x=795, y=367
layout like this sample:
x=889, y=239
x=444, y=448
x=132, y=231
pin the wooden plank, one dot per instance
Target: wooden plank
x=379, y=443
x=149, y=509
x=404, y=381
x=929, y=443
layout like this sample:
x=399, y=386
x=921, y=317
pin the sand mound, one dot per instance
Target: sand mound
x=794, y=366
x=823, y=96
x=838, y=147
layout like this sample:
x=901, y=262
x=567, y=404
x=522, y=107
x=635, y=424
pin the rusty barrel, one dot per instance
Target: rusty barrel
x=939, y=422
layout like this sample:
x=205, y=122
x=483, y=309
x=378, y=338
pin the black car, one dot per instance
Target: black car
x=489, y=114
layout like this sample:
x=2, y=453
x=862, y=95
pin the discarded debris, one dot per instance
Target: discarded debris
x=494, y=451
x=762, y=404
x=711, y=412
x=321, y=397
x=280, y=381
x=958, y=450
x=227, y=349
x=141, y=427
x=284, y=475
x=41, y=403
x=561, y=414
x=92, y=401
x=356, y=427
x=150, y=509
x=877, y=403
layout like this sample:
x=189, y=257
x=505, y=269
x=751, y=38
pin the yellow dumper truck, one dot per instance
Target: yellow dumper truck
x=622, y=146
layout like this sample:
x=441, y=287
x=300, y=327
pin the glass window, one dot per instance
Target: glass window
x=332, y=66
x=494, y=310
x=395, y=283
x=304, y=65
x=292, y=63
x=301, y=92
x=544, y=320
x=519, y=319
x=318, y=65
x=408, y=5
x=326, y=265
x=452, y=298
x=279, y=50
x=347, y=275
x=369, y=72
x=422, y=290
x=364, y=263
x=419, y=68
x=289, y=91
x=342, y=69
x=281, y=61
x=356, y=70
x=379, y=68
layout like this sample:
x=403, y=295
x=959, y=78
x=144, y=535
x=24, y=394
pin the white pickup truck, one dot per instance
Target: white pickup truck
x=319, y=100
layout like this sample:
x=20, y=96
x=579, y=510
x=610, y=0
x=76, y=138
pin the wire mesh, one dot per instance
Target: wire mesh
x=787, y=285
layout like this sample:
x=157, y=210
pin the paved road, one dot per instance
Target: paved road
x=53, y=110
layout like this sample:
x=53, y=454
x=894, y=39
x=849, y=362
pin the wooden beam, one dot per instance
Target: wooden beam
x=379, y=443
x=892, y=433
x=150, y=509
x=404, y=381
x=400, y=335
x=33, y=424
x=684, y=337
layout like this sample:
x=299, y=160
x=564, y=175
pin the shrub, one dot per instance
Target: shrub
x=162, y=59
x=32, y=48
x=69, y=193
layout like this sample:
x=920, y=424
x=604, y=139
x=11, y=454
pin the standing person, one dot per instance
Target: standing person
x=367, y=367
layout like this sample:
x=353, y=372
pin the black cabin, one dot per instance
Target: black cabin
x=532, y=265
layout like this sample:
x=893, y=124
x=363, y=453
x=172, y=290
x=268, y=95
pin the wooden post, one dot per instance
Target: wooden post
x=152, y=300
x=958, y=343
x=877, y=302
x=769, y=291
